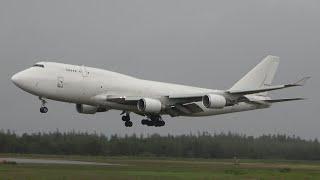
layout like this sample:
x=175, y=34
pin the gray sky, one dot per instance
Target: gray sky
x=201, y=43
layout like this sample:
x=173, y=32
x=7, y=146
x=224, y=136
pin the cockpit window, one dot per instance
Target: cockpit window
x=38, y=65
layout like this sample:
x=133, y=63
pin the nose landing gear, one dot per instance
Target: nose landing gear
x=43, y=108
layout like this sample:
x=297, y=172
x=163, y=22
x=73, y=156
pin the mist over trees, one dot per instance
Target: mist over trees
x=204, y=145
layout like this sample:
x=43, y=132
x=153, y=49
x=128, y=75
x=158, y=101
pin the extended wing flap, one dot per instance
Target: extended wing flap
x=184, y=109
x=127, y=100
x=283, y=100
x=264, y=102
x=193, y=107
x=185, y=98
x=122, y=99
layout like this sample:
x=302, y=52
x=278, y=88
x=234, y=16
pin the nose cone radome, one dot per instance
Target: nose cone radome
x=26, y=80
x=17, y=79
x=23, y=80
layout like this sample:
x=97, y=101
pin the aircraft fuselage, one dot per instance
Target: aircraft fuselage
x=84, y=85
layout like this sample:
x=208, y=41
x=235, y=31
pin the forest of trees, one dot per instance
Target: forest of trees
x=204, y=145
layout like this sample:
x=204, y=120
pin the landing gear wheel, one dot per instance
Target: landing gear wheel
x=128, y=124
x=162, y=123
x=43, y=109
x=126, y=118
x=150, y=123
x=156, y=120
x=159, y=123
x=144, y=121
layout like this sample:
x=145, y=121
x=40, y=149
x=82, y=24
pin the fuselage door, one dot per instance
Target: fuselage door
x=60, y=87
x=60, y=81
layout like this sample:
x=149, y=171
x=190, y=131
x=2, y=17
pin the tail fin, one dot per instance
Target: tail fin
x=260, y=76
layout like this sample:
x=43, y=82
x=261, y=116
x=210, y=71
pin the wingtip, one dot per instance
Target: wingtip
x=272, y=57
x=302, y=81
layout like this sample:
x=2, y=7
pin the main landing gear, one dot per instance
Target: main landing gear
x=154, y=120
x=43, y=108
x=126, y=119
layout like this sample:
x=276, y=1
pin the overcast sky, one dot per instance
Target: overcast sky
x=208, y=44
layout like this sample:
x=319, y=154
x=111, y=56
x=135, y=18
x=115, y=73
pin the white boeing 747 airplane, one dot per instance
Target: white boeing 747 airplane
x=95, y=90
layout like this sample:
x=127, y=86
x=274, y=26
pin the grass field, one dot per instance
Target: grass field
x=160, y=168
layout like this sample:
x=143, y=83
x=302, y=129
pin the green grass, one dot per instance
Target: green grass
x=160, y=168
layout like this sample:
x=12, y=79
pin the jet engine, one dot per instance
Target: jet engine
x=149, y=105
x=214, y=101
x=87, y=109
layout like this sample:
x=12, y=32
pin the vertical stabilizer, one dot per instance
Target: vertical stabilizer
x=260, y=76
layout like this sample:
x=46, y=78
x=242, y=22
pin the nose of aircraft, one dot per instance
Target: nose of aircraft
x=16, y=78
x=25, y=80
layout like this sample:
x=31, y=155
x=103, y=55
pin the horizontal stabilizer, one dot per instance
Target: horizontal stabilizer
x=269, y=88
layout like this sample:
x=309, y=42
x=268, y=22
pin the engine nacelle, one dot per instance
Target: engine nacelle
x=87, y=109
x=149, y=105
x=214, y=101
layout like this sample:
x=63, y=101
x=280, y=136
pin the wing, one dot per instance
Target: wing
x=270, y=88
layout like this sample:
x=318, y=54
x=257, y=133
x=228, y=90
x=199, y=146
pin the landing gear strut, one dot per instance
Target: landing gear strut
x=43, y=108
x=126, y=119
x=154, y=120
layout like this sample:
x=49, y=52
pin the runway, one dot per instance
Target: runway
x=47, y=161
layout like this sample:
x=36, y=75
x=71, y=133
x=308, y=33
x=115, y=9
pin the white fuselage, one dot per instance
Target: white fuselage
x=84, y=85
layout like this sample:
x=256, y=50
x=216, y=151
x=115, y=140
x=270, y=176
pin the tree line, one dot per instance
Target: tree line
x=201, y=145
